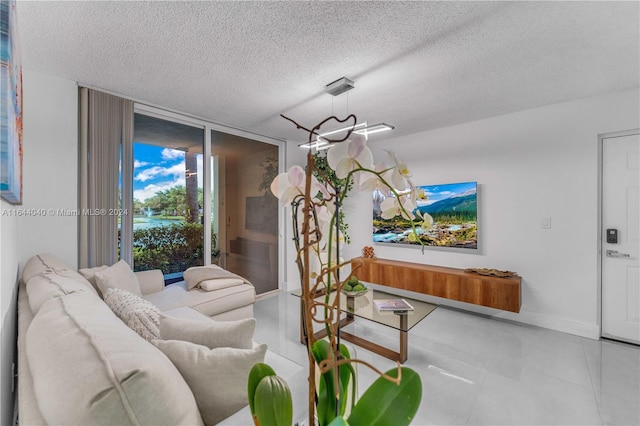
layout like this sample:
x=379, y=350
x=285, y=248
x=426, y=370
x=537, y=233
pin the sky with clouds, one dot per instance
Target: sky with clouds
x=157, y=169
x=442, y=192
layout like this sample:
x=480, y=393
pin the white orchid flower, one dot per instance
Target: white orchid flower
x=400, y=175
x=287, y=186
x=350, y=155
x=371, y=182
x=318, y=261
x=315, y=264
x=427, y=220
x=338, y=240
x=391, y=208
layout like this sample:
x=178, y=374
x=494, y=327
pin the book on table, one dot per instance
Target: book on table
x=392, y=305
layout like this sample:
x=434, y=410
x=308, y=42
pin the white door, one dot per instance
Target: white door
x=621, y=237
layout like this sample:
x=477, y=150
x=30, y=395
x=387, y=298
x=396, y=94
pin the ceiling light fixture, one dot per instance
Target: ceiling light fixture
x=375, y=128
x=339, y=86
x=336, y=88
x=320, y=144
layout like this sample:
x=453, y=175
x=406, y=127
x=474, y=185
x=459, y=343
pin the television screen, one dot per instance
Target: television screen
x=453, y=208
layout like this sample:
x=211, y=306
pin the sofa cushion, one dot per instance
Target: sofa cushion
x=209, y=303
x=212, y=334
x=119, y=275
x=213, y=285
x=40, y=263
x=47, y=285
x=89, y=368
x=139, y=314
x=217, y=377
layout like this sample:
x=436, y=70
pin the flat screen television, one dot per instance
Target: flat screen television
x=454, y=209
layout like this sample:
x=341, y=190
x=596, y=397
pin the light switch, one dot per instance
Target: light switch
x=545, y=223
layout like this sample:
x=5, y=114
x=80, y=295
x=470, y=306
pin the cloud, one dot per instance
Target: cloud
x=137, y=164
x=172, y=154
x=151, y=190
x=422, y=203
x=176, y=170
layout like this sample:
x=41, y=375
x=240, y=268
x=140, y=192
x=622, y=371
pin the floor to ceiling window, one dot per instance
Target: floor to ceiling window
x=168, y=223
x=200, y=195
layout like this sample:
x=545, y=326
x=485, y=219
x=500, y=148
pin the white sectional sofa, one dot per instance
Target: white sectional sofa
x=78, y=363
x=224, y=304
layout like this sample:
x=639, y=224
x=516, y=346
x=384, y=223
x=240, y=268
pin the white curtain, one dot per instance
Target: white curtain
x=106, y=131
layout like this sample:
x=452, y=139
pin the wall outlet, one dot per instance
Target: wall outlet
x=545, y=223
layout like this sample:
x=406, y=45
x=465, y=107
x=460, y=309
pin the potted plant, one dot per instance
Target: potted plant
x=316, y=195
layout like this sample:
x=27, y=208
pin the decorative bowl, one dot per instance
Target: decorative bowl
x=356, y=293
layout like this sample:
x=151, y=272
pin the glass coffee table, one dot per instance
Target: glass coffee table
x=363, y=307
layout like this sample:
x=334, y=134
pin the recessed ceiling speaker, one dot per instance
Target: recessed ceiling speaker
x=339, y=86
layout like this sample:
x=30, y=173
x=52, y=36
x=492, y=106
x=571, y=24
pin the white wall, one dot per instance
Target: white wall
x=50, y=170
x=530, y=164
x=294, y=155
x=50, y=167
x=9, y=264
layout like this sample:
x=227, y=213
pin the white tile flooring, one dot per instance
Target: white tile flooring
x=479, y=371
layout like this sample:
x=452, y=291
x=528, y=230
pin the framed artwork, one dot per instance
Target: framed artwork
x=453, y=209
x=11, y=112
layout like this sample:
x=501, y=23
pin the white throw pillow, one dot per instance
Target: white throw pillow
x=90, y=275
x=220, y=283
x=139, y=314
x=217, y=377
x=212, y=334
x=118, y=275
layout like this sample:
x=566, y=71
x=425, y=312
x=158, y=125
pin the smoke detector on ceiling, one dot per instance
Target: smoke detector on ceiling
x=339, y=86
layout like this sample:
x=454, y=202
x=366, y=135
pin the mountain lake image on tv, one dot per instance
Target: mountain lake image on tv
x=454, y=210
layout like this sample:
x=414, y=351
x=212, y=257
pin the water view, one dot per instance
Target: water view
x=145, y=222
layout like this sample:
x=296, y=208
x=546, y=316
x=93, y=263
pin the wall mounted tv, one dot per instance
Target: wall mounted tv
x=454, y=209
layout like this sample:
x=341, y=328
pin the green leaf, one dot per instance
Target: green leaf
x=346, y=374
x=257, y=373
x=326, y=404
x=338, y=421
x=388, y=404
x=273, y=402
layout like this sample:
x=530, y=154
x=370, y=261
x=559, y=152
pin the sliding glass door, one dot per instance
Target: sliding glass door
x=244, y=212
x=200, y=195
x=168, y=223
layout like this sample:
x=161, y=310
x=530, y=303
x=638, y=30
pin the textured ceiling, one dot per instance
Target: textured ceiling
x=416, y=65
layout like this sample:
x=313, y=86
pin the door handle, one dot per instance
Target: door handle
x=614, y=253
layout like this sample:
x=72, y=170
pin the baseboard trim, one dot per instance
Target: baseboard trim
x=577, y=328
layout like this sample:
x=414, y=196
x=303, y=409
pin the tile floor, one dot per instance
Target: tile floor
x=480, y=371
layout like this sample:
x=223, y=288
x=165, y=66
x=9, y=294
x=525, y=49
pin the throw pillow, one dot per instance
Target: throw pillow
x=217, y=377
x=220, y=283
x=139, y=314
x=90, y=275
x=118, y=275
x=212, y=334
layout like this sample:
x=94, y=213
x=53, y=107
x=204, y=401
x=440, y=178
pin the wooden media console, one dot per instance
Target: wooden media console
x=440, y=281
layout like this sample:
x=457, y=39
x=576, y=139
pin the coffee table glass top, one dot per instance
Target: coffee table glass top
x=362, y=306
